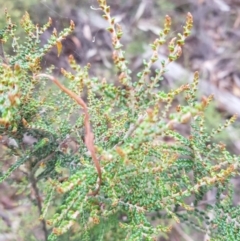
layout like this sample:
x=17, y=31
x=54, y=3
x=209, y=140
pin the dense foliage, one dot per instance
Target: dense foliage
x=108, y=153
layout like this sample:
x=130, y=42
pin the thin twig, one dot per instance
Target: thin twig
x=182, y=233
x=39, y=203
x=89, y=136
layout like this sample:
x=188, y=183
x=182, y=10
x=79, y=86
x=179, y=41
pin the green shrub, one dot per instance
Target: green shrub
x=107, y=156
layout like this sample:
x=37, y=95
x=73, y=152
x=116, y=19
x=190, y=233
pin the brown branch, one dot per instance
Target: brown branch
x=39, y=202
x=89, y=136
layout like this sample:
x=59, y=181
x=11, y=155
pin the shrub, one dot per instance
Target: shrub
x=108, y=157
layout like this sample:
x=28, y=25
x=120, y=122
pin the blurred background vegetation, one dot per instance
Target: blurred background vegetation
x=213, y=49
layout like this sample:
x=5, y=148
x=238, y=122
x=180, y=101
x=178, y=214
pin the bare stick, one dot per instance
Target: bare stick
x=89, y=136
